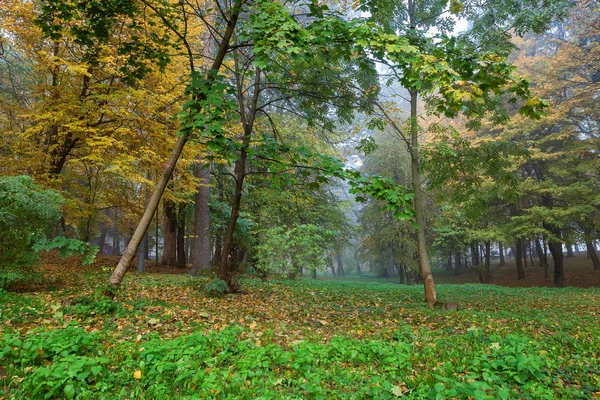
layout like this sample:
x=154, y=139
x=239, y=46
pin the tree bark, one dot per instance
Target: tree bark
x=457, y=266
x=142, y=254
x=169, y=256
x=541, y=253
x=558, y=257
x=102, y=241
x=569, y=250
x=340, y=264
x=332, y=267
x=429, y=285
x=201, y=241
x=121, y=269
x=225, y=267
x=475, y=254
x=593, y=255
x=181, y=256
x=519, y=259
x=501, y=250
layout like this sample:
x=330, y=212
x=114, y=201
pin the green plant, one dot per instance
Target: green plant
x=216, y=288
x=28, y=212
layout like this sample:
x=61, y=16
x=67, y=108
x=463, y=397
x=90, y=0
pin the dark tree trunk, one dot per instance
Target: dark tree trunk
x=449, y=263
x=519, y=259
x=169, y=256
x=592, y=254
x=358, y=270
x=524, y=253
x=181, y=256
x=541, y=254
x=226, y=269
x=142, y=255
x=474, y=254
x=332, y=267
x=340, y=265
x=501, y=250
x=569, y=250
x=557, y=256
x=457, y=264
x=102, y=241
x=116, y=250
x=555, y=245
x=201, y=243
x=530, y=252
x=401, y=273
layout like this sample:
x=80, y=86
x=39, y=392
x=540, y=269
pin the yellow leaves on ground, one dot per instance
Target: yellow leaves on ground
x=137, y=374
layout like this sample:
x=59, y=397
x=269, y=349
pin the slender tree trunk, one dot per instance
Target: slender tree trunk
x=156, y=233
x=181, y=256
x=142, y=255
x=488, y=261
x=225, y=267
x=558, y=257
x=332, y=267
x=169, y=256
x=545, y=248
x=593, y=255
x=102, y=241
x=340, y=264
x=555, y=245
x=501, y=251
x=121, y=268
x=429, y=285
x=519, y=259
x=530, y=252
x=201, y=242
x=116, y=250
x=457, y=264
x=541, y=253
x=475, y=254
x=569, y=250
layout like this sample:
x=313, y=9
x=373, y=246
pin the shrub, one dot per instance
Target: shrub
x=28, y=212
x=216, y=288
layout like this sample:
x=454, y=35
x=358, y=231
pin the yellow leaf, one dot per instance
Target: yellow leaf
x=137, y=374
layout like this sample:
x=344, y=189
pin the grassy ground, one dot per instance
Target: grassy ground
x=163, y=338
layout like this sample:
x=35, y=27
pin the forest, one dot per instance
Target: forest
x=300, y=199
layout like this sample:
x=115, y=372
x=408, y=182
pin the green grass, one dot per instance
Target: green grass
x=302, y=339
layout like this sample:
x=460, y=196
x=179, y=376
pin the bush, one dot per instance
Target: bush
x=28, y=212
x=216, y=288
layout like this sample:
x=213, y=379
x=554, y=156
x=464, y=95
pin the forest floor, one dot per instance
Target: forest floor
x=163, y=337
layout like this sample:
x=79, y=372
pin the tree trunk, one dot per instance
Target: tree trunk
x=169, y=256
x=519, y=259
x=429, y=285
x=530, y=252
x=332, y=267
x=501, y=251
x=225, y=267
x=474, y=254
x=541, y=253
x=121, y=269
x=142, y=254
x=558, y=257
x=181, y=256
x=201, y=241
x=569, y=250
x=102, y=241
x=116, y=250
x=340, y=265
x=457, y=266
x=593, y=255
